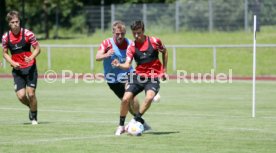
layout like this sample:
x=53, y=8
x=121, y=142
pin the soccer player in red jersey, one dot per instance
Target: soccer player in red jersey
x=149, y=70
x=19, y=41
x=116, y=78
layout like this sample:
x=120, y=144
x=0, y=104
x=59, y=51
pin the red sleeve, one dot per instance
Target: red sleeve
x=5, y=41
x=30, y=37
x=105, y=45
x=157, y=43
x=130, y=51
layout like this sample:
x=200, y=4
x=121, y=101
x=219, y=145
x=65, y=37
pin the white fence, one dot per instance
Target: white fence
x=93, y=48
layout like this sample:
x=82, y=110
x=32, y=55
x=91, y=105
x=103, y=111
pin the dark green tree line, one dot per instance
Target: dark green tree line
x=47, y=16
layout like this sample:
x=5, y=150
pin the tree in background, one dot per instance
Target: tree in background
x=40, y=16
x=108, y=2
x=69, y=15
x=46, y=5
x=2, y=17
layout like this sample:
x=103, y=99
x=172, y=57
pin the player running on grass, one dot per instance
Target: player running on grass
x=19, y=41
x=149, y=69
x=115, y=48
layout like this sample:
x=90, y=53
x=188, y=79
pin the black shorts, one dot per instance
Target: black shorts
x=118, y=89
x=25, y=77
x=138, y=84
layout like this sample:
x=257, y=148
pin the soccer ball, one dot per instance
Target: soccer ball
x=135, y=128
x=156, y=98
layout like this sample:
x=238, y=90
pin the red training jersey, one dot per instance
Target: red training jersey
x=151, y=69
x=15, y=39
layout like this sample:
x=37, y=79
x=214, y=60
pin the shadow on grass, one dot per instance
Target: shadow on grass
x=29, y=123
x=161, y=132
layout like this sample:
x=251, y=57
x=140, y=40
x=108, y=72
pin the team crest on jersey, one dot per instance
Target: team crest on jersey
x=143, y=56
x=17, y=47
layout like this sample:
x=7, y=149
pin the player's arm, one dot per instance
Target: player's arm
x=124, y=66
x=161, y=48
x=35, y=53
x=9, y=59
x=105, y=51
x=164, y=59
x=35, y=45
x=101, y=54
x=127, y=64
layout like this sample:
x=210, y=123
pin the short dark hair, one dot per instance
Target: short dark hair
x=137, y=25
x=12, y=14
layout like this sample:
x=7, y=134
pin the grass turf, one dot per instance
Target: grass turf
x=191, y=118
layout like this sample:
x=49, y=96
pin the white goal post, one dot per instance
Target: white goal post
x=254, y=70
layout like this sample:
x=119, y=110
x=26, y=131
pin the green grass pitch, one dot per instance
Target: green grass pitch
x=190, y=118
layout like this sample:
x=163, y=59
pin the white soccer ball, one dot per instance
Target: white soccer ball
x=156, y=98
x=135, y=128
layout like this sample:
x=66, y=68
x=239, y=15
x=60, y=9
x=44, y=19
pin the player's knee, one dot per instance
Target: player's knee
x=135, y=101
x=21, y=96
x=125, y=100
x=31, y=95
x=149, y=99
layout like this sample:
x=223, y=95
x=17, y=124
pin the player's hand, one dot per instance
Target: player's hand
x=165, y=77
x=15, y=65
x=110, y=52
x=27, y=58
x=115, y=63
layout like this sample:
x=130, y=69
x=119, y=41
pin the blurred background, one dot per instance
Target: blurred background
x=200, y=34
x=58, y=18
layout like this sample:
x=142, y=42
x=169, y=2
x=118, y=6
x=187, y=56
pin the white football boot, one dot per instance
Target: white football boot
x=34, y=122
x=120, y=130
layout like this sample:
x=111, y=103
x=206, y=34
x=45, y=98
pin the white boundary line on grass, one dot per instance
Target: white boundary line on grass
x=53, y=140
x=156, y=113
x=109, y=112
x=59, y=110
